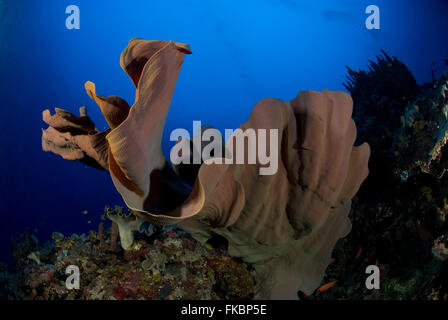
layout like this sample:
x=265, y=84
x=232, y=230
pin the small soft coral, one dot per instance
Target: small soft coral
x=127, y=225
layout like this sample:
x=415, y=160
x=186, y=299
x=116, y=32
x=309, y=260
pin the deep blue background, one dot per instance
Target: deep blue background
x=243, y=51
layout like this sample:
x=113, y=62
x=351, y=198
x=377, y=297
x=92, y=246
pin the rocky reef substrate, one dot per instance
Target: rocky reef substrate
x=169, y=264
x=399, y=220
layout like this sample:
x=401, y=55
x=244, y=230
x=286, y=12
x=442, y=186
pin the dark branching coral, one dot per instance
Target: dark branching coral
x=380, y=97
x=388, y=78
x=400, y=214
x=285, y=224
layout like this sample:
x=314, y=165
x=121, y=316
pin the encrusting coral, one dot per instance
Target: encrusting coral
x=172, y=266
x=285, y=224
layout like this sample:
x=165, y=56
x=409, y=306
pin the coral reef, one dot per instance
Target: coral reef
x=400, y=213
x=380, y=97
x=171, y=266
x=285, y=224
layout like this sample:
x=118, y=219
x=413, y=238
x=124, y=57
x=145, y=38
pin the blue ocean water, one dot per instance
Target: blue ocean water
x=243, y=51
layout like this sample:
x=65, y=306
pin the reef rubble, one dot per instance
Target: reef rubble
x=169, y=265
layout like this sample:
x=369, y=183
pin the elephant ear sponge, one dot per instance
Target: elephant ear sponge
x=75, y=138
x=286, y=223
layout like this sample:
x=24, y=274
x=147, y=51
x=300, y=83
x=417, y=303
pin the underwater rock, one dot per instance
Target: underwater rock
x=180, y=268
x=285, y=224
x=422, y=137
